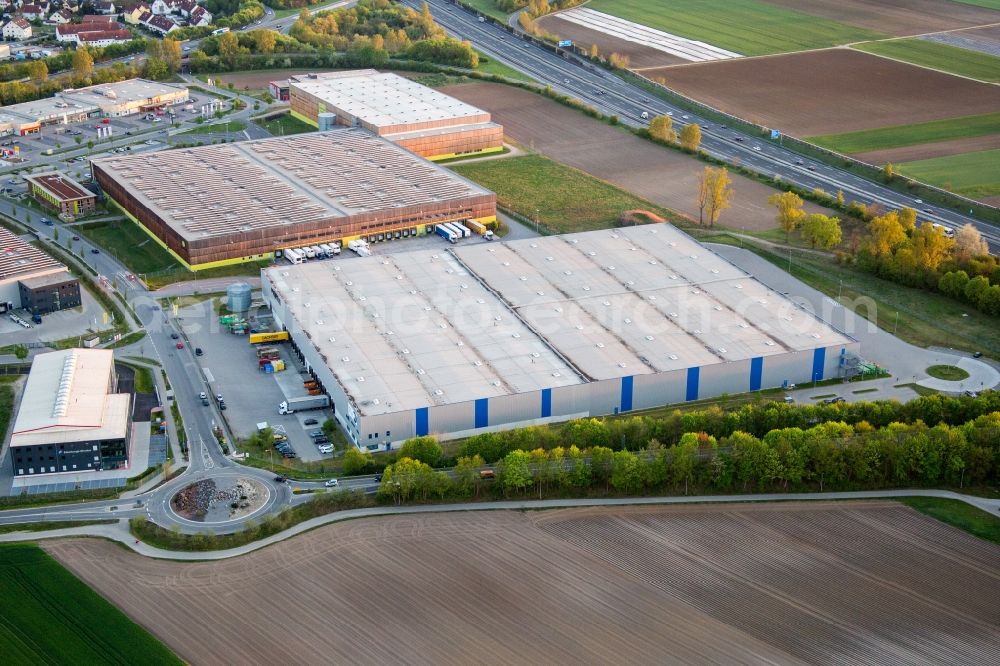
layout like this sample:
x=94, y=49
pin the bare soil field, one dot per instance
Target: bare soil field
x=639, y=56
x=896, y=17
x=258, y=80
x=830, y=91
x=928, y=150
x=822, y=583
x=665, y=177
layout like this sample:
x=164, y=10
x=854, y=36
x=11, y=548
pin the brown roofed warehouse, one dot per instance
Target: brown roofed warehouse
x=223, y=204
x=421, y=119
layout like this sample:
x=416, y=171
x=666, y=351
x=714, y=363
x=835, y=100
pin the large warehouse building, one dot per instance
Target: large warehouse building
x=33, y=280
x=421, y=119
x=494, y=335
x=216, y=205
x=71, y=419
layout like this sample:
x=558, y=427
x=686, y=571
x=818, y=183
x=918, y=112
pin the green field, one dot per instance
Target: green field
x=487, y=8
x=566, y=199
x=898, y=136
x=286, y=124
x=490, y=66
x=747, y=27
x=974, y=175
x=989, y=4
x=947, y=58
x=48, y=616
x=219, y=128
x=958, y=514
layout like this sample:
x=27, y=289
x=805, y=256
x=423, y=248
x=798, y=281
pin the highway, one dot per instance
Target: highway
x=611, y=94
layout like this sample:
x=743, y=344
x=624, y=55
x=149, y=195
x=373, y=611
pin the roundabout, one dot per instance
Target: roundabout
x=220, y=501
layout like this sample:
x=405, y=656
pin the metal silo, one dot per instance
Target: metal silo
x=238, y=297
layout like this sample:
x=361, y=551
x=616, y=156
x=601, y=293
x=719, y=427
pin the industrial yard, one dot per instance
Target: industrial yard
x=828, y=583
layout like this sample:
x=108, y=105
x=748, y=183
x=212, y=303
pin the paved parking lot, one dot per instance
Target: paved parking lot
x=56, y=325
x=66, y=486
x=229, y=364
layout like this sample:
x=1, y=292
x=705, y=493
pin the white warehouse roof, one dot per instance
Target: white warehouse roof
x=408, y=330
x=66, y=399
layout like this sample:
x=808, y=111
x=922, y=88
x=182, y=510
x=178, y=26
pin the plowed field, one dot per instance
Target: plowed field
x=639, y=56
x=871, y=582
x=831, y=91
x=665, y=177
x=897, y=17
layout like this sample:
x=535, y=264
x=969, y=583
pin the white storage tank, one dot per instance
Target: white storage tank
x=327, y=121
x=238, y=297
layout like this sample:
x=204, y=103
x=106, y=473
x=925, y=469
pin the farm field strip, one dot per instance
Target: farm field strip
x=686, y=49
x=750, y=27
x=944, y=57
x=899, y=17
x=975, y=175
x=966, y=40
x=898, y=136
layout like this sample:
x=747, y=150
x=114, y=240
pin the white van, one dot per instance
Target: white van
x=645, y=115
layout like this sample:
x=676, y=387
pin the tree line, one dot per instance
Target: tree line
x=828, y=456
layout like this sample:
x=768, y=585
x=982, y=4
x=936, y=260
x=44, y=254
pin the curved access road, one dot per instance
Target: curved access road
x=119, y=532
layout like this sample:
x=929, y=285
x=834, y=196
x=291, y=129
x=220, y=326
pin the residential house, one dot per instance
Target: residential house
x=164, y=7
x=199, y=16
x=98, y=18
x=132, y=16
x=161, y=25
x=104, y=37
x=61, y=17
x=33, y=12
x=185, y=7
x=106, y=7
x=17, y=28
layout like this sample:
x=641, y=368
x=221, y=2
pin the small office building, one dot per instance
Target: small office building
x=61, y=194
x=31, y=279
x=71, y=418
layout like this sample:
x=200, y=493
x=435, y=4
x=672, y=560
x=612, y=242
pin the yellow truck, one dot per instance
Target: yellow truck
x=278, y=336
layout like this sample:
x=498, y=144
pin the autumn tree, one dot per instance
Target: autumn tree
x=229, y=47
x=888, y=172
x=425, y=449
x=885, y=234
x=264, y=41
x=821, y=231
x=38, y=71
x=516, y=471
x=619, y=61
x=594, y=51
x=718, y=193
x=691, y=137
x=83, y=63
x=969, y=243
x=662, y=128
x=467, y=473
x=930, y=246
x=171, y=54
x=790, y=213
x=908, y=218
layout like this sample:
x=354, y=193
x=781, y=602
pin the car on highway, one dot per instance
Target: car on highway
x=180, y=345
x=833, y=401
x=94, y=250
x=47, y=222
x=757, y=148
x=378, y=478
x=332, y=483
x=76, y=238
x=310, y=422
x=978, y=354
x=280, y=479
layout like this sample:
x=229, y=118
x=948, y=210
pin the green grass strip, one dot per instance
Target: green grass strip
x=975, y=175
x=899, y=136
x=947, y=58
x=958, y=514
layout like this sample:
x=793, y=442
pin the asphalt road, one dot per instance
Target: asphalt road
x=612, y=95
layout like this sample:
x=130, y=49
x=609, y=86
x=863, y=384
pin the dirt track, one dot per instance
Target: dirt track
x=638, y=55
x=666, y=177
x=896, y=17
x=929, y=150
x=831, y=91
x=864, y=582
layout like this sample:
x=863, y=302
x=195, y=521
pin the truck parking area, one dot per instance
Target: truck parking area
x=232, y=368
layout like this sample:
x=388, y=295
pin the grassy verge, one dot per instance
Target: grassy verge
x=6, y=408
x=974, y=175
x=899, y=136
x=53, y=525
x=958, y=514
x=563, y=199
x=286, y=124
x=127, y=340
x=947, y=58
x=747, y=27
x=487, y=8
x=51, y=617
x=489, y=66
x=924, y=318
x=950, y=373
x=320, y=505
x=218, y=128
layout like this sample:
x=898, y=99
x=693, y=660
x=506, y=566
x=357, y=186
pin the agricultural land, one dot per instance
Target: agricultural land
x=51, y=617
x=781, y=583
x=665, y=177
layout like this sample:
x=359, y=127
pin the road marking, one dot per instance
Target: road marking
x=208, y=375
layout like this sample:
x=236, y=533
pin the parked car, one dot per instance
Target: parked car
x=197, y=351
x=174, y=336
x=326, y=448
x=203, y=395
x=316, y=433
x=332, y=483
x=310, y=422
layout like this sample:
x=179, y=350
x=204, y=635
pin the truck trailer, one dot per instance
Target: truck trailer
x=479, y=228
x=359, y=247
x=461, y=227
x=446, y=233
x=303, y=403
